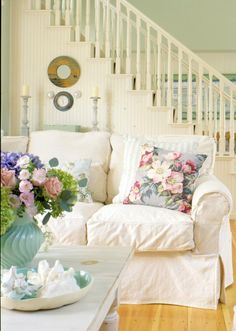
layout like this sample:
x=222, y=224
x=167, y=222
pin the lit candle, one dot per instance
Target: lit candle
x=25, y=90
x=95, y=92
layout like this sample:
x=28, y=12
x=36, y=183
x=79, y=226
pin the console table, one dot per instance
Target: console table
x=97, y=310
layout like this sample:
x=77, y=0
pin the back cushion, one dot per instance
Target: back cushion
x=72, y=146
x=126, y=153
x=14, y=144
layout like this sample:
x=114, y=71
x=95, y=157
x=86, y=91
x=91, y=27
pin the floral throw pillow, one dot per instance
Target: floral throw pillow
x=80, y=170
x=165, y=179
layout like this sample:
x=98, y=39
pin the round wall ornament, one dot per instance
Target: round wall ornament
x=63, y=71
x=63, y=101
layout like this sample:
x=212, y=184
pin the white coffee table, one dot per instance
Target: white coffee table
x=98, y=309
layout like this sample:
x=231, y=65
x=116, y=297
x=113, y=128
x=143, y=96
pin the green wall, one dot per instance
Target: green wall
x=5, y=55
x=208, y=25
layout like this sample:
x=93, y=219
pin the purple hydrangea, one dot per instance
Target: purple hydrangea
x=9, y=160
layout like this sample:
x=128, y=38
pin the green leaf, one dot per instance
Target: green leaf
x=65, y=206
x=53, y=162
x=66, y=195
x=45, y=204
x=83, y=182
x=46, y=218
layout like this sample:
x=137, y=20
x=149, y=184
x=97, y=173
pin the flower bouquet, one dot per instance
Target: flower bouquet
x=29, y=188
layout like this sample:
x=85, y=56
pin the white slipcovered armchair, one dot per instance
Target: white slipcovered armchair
x=179, y=259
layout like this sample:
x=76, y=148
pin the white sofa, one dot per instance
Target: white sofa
x=179, y=259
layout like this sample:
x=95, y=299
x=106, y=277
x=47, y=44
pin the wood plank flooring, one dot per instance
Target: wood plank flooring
x=175, y=318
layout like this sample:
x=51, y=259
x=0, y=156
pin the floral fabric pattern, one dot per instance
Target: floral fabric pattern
x=80, y=170
x=165, y=179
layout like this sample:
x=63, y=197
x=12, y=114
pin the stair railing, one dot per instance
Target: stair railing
x=157, y=60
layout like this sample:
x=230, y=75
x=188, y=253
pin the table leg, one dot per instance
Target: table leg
x=111, y=322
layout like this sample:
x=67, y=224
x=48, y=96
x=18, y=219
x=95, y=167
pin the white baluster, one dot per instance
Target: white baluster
x=231, y=125
x=58, y=12
x=118, y=37
x=108, y=28
x=48, y=4
x=205, y=109
x=199, y=102
x=210, y=125
x=77, y=19
x=30, y=4
x=222, y=121
x=158, y=92
x=190, y=92
x=128, y=48
x=169, y=76
x=215, y=107
x=68, y=13
x=87, y=21
x=138, y=62
x=37, y=4
x=180, y=90
x=148, y=77
x=97, y=26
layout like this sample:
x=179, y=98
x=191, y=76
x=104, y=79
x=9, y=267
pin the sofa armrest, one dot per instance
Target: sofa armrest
x=211, y=206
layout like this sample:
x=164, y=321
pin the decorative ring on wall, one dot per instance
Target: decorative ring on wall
x=63, y=71
x=63, y=101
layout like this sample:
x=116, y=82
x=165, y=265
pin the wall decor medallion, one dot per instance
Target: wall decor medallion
x=63, y=71
x=63, y=101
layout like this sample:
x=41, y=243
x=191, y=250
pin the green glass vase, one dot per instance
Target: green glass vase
x=21, y=242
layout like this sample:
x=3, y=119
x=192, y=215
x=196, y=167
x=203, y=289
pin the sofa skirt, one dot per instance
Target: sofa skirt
x=179, y=278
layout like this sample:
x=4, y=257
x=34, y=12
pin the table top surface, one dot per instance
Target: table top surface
x=106, y=264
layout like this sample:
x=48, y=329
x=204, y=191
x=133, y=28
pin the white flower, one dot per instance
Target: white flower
x=23, y=161
x=159, y=171
x=24, y=174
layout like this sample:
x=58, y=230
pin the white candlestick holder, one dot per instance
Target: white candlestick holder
x=25, y=121
x=95, y=113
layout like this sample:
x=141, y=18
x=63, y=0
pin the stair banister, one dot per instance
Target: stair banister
x=177, y=43
x=87, y=21
x=169, y=76
x=138, y=62
x=128, y=48
x=232, y=129
x=180, y=56
x=158, y=92
x=222, y=121
x=78, y=9
x=118, y=36
x=148, y=74
x=107, y=42
x=190, y=90
x=210, y=106
x=97, y=29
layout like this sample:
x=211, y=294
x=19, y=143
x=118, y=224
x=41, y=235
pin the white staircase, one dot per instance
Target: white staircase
x=182, y=90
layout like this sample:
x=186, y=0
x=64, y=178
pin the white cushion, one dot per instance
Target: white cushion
x=182, y=143
x=72, y=146
x=71, y=228
x=145, y=228
x=14, y=144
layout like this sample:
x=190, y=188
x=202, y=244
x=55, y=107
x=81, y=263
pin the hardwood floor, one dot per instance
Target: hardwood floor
x=175, y=318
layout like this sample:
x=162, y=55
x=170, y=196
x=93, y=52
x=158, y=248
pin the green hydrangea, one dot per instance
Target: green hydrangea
x=7, y=213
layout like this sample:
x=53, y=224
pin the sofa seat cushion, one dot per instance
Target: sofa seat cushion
x=145, y=228
x=71, y=228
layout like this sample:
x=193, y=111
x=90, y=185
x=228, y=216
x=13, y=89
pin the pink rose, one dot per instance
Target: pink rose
x=53, y=187
x=27, y=198
x=189, y=167
x=39, y=177
x=185, y=207
x=8, y=178
x=25, y=186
